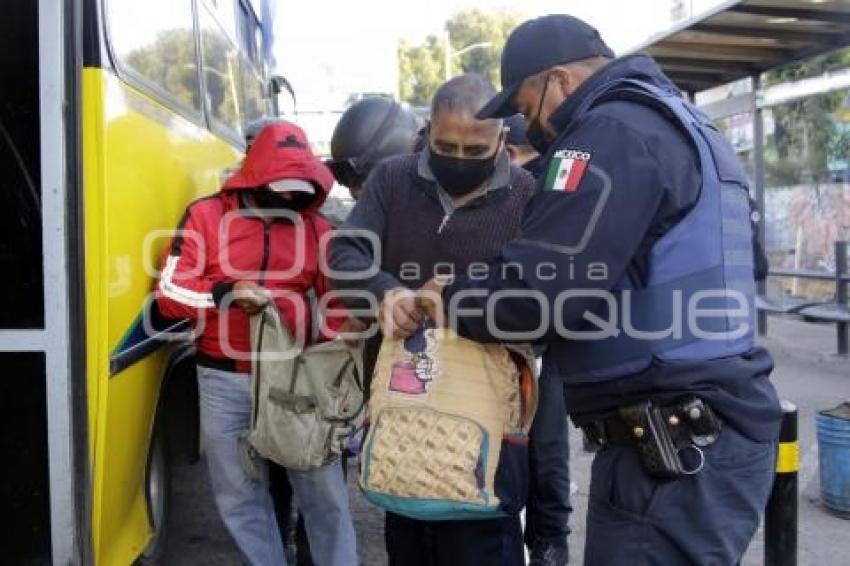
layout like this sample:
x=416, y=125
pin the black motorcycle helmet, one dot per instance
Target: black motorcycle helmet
x=369, y=131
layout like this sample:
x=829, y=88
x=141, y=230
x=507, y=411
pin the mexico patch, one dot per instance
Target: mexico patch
x=566, y=170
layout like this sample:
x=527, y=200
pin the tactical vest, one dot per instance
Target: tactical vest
x=698, y=301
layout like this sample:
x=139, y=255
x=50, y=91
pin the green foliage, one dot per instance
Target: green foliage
x=474, y=26
x=422, y=67
x=421, y=70
x=806, y=134
x=169, y=62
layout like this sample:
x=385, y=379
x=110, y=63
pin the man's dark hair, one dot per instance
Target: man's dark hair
x=465, y=94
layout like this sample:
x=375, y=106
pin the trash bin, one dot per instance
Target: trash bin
x=833, y=428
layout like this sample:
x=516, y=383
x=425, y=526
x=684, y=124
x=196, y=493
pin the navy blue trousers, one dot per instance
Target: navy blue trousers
x=707, y=519
x=548, y=507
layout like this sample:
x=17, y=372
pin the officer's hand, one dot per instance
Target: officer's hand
x=398, y=315
x=250, y=297
x=429, y=299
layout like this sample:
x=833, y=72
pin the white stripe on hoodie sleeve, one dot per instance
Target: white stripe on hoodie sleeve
x=182, y=295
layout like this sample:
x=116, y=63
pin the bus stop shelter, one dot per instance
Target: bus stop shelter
x=744, y=38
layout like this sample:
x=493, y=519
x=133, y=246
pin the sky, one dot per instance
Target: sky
x=331, y=48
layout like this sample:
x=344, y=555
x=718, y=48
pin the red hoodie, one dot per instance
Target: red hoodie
x=222, y=240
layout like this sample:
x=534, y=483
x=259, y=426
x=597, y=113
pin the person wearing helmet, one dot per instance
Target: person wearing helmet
x=444, y=208
x=369, y=131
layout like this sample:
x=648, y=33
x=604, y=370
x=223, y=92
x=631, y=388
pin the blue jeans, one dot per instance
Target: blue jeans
x=706, y=518
x=245, y=505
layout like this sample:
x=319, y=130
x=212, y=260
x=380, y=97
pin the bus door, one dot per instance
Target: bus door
x=44, y=475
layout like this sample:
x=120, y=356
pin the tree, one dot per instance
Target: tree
x=807, y=137
x=169, y=61
x=422, y=67
x=474, y=26
x=421, y=70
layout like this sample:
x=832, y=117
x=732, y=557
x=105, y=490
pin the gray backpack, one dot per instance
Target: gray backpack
x=306, y=403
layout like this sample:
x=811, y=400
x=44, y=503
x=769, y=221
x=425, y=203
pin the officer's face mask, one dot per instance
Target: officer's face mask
x=460, y=176
x=535, y=132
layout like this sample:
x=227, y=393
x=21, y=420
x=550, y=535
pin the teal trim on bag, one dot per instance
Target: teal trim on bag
x=432, y=509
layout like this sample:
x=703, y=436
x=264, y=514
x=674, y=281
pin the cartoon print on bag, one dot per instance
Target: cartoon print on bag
x=413, y=373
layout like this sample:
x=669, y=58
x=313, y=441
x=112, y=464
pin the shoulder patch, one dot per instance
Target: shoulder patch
x=566, y=170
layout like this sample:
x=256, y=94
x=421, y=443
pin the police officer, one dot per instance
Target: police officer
x=635, y=266
x=369, y=131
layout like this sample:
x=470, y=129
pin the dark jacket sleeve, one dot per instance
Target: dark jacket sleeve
x=353, y=256
x=572, y=244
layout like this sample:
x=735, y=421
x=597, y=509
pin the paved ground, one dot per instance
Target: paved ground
x=807, y=373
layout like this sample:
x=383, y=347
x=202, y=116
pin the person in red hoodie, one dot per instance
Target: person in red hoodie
x=257, y=240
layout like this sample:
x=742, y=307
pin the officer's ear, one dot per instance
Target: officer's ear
x=565, y=79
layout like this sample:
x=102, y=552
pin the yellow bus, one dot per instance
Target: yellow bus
x=114, y=115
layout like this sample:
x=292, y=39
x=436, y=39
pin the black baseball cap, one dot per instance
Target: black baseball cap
x=537, y=45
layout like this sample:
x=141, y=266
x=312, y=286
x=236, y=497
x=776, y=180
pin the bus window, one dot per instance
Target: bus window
x=250, y=35
x=154, y=41
x=225, y=13
x=221, y=74
x=254, y=103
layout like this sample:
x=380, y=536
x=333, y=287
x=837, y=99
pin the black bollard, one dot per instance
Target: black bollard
x=780, y=517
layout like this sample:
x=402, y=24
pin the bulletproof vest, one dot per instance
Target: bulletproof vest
x=697, y=302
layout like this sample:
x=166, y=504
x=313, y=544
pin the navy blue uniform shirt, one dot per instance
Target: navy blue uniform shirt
x=639, y=178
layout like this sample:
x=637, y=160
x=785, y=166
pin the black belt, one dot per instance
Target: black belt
x=611, y=431
x=661, y=433
x=685, y=419
x=223, y=364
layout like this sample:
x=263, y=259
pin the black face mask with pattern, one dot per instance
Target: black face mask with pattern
x=460, y=176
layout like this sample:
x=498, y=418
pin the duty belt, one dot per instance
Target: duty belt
x=662, y=434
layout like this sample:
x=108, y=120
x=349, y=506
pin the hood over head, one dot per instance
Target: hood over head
x=281, y=151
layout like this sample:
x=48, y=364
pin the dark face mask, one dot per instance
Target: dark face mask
x=269, y=199
x=535, y=133
x=460, y=176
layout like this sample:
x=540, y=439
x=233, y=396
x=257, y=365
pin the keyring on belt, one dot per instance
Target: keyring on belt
x=699, y=466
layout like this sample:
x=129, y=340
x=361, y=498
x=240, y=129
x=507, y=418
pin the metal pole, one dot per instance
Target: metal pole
x=780, y=517
x=758, y=181
x=841, y=285
x=52, y=56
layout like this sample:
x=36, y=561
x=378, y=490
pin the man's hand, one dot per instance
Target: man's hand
x=250, y=297
x=398, y=315
x=429, y=299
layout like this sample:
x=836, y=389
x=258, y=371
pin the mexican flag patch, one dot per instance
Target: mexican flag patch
x=566, y=170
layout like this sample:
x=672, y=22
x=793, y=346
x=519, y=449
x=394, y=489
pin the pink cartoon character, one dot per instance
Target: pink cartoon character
x=412, y=374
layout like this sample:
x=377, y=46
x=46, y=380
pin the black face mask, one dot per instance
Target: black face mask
x=460, y=176
x=268, y=199
x=535, y=133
